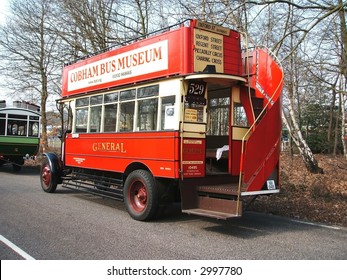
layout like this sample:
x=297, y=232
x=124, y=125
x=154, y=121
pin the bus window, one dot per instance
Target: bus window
x=95, y=119
x=127, y=94
x=16, y=127
x=218, y=123
x=33, y=126
x=82, y=114
x=96, y=100
x=82, y=102
x=110, y=118
x=127, y=110
x=22, y=131
x=2, y=124
x=148, y=91
x=147, y=114
x=239, y=116
x=168, y=113
x=111, y=97
x=95, y=113
x=110, y=112
x=81, y=119
x=33, y=129
x=147, y=108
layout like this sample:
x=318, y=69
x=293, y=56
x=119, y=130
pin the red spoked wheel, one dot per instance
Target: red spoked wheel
x=138, y=196
x=48, y=183
x=141, y=195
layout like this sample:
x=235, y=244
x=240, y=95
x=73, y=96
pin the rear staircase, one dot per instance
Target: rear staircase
x=224, y=196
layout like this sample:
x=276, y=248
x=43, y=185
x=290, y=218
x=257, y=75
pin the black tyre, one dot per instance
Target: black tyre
x=141, y=195
x=48, y=181
x=17, y=164
x=16, y=167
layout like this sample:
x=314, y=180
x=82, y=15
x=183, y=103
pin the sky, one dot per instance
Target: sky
x=3, y=14
x=3, y=9
x=5, y=93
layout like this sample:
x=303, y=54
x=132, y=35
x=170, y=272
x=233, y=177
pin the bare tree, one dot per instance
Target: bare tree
x=307, y=25
x=27, y=54
x=84, y=26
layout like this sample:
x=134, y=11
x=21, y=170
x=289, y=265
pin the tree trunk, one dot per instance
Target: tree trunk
x=304, y=150
x=336, y=130
x=343, y=95
x=44, y=96
x=344, y=39
x=291, y=121
x=331, y=118
x=344, y=74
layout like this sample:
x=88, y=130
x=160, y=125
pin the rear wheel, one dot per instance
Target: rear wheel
x=16, y=167
x=17, y=164
x=141, y=195
x=48, y=181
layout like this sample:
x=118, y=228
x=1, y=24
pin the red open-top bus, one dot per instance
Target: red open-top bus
x=185, y=115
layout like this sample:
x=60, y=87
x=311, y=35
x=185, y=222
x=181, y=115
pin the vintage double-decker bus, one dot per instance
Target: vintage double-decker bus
x=19, y=132
x=184, y=115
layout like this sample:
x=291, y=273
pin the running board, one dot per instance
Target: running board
x=94, y=184
x=116, y=194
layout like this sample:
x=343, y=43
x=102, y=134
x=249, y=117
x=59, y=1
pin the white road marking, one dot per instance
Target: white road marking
x=315, y=224
x=15, y=248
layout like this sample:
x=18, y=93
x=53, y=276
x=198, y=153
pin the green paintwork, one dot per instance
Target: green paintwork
x=20, y=146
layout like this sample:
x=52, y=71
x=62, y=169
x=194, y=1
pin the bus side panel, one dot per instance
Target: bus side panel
x=159, y=151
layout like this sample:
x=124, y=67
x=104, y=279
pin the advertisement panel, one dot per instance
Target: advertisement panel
x=148, y=59
x=208, y=52
x=193, y=158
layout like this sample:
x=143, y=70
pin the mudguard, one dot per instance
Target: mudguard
x=56, y=166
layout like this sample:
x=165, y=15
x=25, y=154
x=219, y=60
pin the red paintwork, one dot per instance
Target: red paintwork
x=262, y=149
x=269, y=76
x=235, y=154
x=46, y=175
x=138, y=196
x=232, y=54
x=193, y=157
x=159, y=151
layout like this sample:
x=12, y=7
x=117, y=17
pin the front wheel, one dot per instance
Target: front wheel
x=141, y=195
x=17, y=164
x=47, y=177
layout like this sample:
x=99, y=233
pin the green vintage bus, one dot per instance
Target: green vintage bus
x=19, y=132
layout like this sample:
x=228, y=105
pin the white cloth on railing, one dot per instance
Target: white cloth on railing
x=221, y=150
